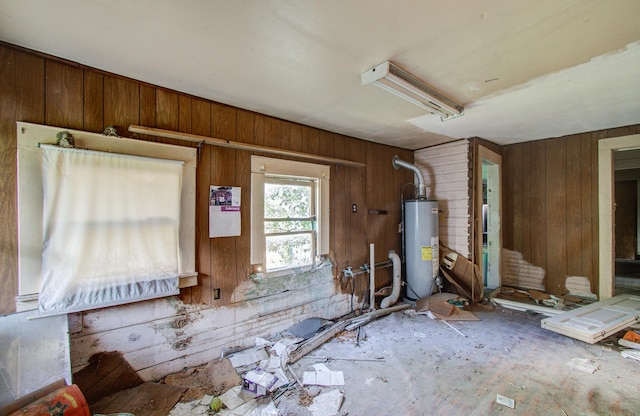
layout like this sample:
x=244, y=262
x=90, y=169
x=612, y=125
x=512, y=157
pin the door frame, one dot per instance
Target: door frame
x=606, y=236
x=486, y=155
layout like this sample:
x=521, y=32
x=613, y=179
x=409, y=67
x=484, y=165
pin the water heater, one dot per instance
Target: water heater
x=421, y=247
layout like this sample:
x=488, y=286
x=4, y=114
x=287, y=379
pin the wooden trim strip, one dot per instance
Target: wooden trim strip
x=237, y=145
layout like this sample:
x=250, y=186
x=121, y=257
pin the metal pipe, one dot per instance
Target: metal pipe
x=348, y=272
x=372, y=277
x=398, y=163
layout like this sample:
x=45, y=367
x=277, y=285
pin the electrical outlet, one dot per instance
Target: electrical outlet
x=216, y=293
x=354, y=208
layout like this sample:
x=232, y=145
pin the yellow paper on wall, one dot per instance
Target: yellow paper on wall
x=426, y=253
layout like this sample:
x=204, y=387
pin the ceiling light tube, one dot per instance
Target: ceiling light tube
x=399, y=82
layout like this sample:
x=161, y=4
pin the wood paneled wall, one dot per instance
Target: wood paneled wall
x=551, y=191
x=46, y=90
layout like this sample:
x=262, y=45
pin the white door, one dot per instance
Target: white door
x=594, y=322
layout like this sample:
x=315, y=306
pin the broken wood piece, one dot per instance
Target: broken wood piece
x=106, y=374
x=538, y=295
x=368, y=317
x=442, y=308
x=315, y=341
x=148, y=398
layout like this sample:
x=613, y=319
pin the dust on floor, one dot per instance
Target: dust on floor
x=407, y=364
x=429, y=368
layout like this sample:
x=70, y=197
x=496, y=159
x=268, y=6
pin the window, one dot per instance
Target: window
x=31, y=211
x=289, y=214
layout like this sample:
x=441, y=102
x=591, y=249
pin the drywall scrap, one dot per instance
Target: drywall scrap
x=579, y=286
x=519, y=273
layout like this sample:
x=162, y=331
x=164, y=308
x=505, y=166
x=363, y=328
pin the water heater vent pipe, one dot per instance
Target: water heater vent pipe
x=398, y=163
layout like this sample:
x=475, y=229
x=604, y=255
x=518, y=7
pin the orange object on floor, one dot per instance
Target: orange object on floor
x=67, y=401
x=632, y=336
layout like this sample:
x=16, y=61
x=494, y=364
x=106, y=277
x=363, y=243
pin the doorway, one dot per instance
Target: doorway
x=488, y=220
x=607, y=151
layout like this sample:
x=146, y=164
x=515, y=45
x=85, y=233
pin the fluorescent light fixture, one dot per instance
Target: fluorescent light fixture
x=399, y=82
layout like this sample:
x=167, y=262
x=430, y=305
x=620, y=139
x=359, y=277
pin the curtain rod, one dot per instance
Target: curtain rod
x=237, y=145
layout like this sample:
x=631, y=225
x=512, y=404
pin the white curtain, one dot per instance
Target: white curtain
x=110, y=229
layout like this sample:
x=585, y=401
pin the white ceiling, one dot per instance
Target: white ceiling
x=524, y=70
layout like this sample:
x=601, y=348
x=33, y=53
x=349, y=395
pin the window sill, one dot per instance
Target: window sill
x=30, y=302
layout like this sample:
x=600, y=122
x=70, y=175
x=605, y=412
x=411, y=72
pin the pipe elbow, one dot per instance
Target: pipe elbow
x=395, y=292
x=398, y=163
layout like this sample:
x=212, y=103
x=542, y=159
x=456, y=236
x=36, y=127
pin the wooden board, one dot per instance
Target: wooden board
x=107, y=373
x=147, y=399
x=596, y=321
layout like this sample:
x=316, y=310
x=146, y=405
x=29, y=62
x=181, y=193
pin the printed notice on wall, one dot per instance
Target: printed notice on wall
x=224, y=211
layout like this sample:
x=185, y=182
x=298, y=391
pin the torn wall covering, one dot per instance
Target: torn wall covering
x=164, y=336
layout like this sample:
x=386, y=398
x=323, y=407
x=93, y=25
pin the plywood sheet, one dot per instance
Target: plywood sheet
x=147, y=399
x=596, y=321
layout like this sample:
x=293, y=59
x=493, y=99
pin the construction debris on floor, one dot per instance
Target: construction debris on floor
x=445, y=355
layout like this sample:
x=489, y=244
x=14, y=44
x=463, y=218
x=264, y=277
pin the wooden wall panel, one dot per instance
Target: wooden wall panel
x=574, y=204
x=244, y=133
x=223, y=173
x=121, y=103
x=383, y=187
x=42, y=90
x=93, y=102
x=527, y=185
x=514, y=181
x=538, y=200
x=63, y=95
x=561, y=208
x=201, y=124
x=147, y=110
x=556, y=211
x=356, y=222
x=22, y=98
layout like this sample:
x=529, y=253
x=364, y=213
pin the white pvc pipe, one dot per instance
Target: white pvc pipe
x=372, y=277
x=395, y=292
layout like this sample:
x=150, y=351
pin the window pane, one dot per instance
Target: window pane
x=289, y=251
x=287, y=201
x=271, y=227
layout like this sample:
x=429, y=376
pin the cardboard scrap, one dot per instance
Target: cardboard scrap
x=442, y=308
x=422, y=304
x=461, y=275
x=458, y=315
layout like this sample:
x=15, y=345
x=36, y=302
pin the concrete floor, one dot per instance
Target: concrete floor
x=429, y=369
